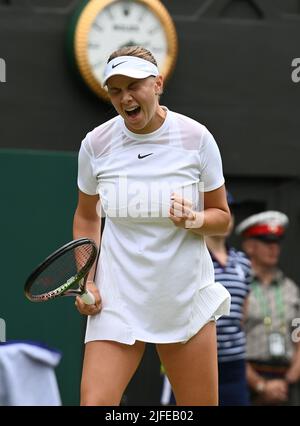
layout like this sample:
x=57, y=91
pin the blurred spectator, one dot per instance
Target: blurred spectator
x=273, y=369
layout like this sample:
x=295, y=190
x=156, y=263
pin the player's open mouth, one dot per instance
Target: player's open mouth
x=133, y=112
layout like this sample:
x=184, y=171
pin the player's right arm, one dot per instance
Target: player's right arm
x=87, y=223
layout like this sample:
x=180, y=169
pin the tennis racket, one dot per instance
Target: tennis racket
x=63, y=273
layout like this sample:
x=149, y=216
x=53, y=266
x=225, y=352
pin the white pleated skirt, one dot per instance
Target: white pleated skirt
x=210, y=302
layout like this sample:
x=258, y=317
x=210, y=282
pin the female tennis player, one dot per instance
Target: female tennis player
x=149, y=166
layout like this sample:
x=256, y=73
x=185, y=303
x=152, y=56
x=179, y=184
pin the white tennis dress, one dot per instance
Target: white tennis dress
x=156, y=280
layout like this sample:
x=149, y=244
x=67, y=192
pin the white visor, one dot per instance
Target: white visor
x=131, y=66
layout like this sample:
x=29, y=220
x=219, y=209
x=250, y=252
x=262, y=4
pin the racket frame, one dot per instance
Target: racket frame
x=64, y=289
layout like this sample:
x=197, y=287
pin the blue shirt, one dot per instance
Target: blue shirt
x=236, y=277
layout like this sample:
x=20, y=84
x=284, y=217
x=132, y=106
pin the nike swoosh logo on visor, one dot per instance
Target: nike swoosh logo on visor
x=116, y=65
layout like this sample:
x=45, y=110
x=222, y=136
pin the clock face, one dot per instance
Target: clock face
x=107, y=25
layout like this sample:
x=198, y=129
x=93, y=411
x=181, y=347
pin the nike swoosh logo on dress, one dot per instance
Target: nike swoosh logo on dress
x=144, y=156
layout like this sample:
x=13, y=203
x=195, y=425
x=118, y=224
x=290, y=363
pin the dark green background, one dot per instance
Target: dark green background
x=38, y=197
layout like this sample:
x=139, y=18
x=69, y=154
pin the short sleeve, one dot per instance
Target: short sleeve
x=86, y=180
x=246, y=265
x=211, y=163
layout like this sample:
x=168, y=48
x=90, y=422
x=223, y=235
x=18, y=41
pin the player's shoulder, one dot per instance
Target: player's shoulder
x=188, y=121
x=104, y=128
x=193, y=133
x=98, y=140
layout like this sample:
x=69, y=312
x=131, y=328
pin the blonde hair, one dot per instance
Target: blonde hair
x=138, y=51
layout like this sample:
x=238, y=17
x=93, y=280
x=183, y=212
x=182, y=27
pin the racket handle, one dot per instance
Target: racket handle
x=88, y=298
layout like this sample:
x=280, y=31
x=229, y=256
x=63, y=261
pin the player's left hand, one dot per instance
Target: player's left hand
x=182, y=214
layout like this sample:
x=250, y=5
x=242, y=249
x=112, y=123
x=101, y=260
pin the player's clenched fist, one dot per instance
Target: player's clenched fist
x=182, y=214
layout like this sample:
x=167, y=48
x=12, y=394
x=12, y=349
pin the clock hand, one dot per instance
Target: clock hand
x=134, y=43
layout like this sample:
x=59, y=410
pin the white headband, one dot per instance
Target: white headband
x=131, y=66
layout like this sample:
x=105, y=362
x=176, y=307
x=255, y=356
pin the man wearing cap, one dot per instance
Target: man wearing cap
x=273, y=367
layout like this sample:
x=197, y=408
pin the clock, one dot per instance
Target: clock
x=101, y=26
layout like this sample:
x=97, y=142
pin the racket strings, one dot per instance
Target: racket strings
x=64, y=269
